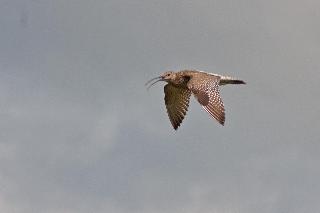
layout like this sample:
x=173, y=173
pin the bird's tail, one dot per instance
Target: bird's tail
x=230, y=80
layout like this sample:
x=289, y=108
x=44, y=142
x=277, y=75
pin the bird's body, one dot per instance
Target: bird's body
x=204, y=86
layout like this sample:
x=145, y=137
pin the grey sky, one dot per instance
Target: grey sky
x=80, y=133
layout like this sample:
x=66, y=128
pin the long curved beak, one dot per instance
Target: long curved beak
x=157, y=80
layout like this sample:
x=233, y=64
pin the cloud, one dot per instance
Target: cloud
x=80, y=133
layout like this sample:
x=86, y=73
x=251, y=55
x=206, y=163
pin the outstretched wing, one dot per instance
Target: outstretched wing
x=206, y=90
x=177, y=102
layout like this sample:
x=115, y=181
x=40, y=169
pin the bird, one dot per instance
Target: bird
x=203, y=85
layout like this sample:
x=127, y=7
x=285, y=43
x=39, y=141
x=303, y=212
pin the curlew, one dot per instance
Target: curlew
x=204, y=86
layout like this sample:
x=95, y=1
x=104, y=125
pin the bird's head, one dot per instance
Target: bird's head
x=168, y=76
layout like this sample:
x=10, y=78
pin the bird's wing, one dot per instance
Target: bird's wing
x=177, y=102
x=206, y=90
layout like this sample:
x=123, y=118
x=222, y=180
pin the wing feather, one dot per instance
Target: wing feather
x=206, y=90
x=177, y=103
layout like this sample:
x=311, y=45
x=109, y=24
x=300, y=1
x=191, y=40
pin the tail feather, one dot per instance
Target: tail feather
x=229, y=80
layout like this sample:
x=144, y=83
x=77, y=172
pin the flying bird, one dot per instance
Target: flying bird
x=203, y=85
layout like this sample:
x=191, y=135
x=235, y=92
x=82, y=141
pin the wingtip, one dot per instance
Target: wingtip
x=222, y=121
x=175, y=126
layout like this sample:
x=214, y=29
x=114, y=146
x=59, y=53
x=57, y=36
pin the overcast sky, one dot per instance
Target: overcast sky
x=79, y=132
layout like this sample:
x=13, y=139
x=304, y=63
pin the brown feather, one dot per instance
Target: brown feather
x=177, y=102
x=206, y=90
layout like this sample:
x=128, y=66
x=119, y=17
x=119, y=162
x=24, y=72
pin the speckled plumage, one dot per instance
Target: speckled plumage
x=204, y=86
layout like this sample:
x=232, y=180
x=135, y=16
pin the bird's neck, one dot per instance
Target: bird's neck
x=180, y=80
